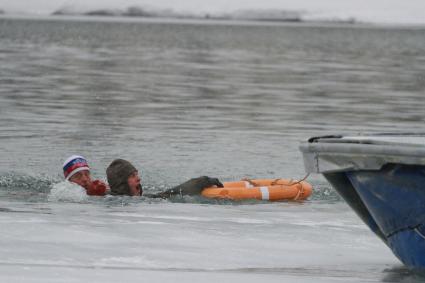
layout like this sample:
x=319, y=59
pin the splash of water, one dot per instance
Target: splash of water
x=67, y=191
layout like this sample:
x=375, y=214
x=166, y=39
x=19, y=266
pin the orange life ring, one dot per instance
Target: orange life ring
x=261, y=189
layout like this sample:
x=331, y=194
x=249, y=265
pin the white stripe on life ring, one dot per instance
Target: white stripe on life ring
x=265, y=193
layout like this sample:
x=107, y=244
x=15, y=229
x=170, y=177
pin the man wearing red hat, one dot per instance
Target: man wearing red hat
x=77, y=170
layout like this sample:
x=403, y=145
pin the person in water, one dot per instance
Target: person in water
x=124, y=179
x=76, y=170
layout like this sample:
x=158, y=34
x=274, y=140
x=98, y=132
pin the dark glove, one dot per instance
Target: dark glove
x=192, y=187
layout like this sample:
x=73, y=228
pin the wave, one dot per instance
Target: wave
x=67, y=191
x=32, y=188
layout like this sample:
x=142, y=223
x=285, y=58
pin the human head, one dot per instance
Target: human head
x=123, y=178
x=77, y=170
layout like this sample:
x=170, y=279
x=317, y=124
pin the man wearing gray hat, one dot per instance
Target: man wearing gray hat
x=123, y=179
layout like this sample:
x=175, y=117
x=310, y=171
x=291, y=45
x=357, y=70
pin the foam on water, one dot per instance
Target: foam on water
x=67, y=191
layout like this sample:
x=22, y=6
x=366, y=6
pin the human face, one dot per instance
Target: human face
x=82, y=178
x=134, y=184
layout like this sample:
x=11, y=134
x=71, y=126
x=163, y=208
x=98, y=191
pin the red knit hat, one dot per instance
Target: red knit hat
x=73, y=165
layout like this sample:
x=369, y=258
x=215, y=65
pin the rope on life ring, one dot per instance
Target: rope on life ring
x=275, y=182
x=250, y=182
x=301, y=190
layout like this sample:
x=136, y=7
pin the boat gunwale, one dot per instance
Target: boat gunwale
x=364, y=148
x=321, y=156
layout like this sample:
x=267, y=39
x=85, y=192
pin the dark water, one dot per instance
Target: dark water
x=187, y=99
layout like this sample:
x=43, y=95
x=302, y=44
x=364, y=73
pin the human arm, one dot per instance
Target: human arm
x=192, y=187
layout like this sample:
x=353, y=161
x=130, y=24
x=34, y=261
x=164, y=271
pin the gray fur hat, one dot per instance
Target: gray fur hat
x=117, y=173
